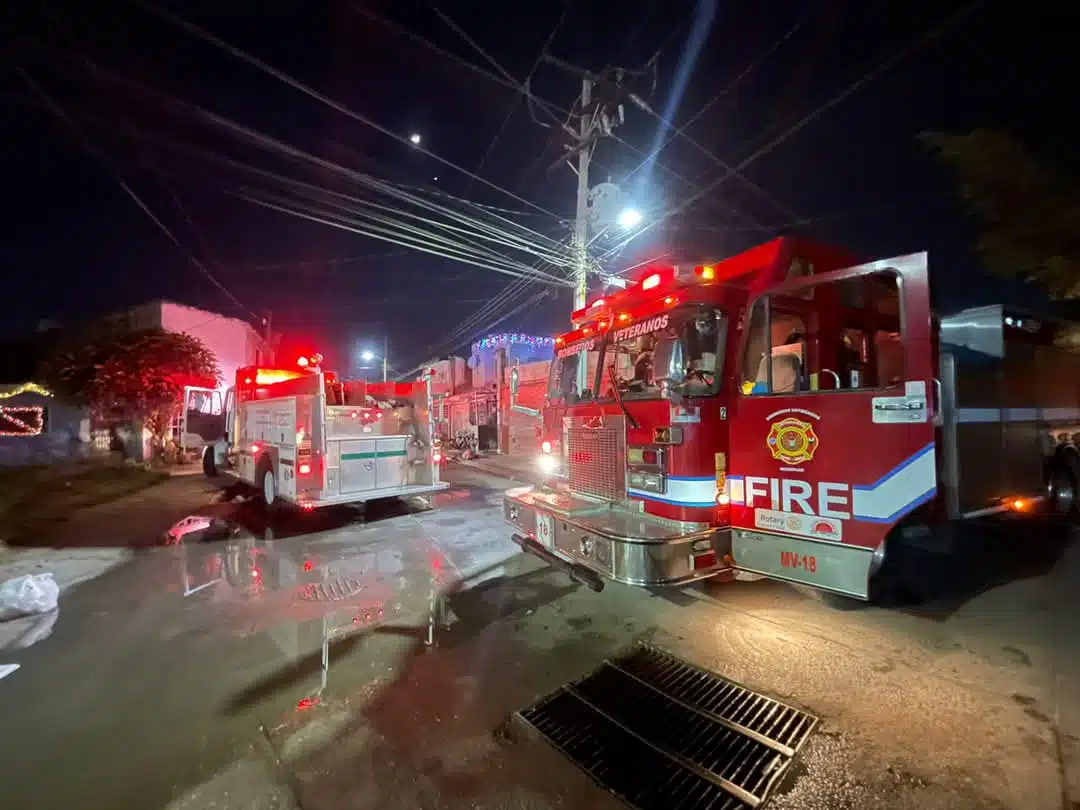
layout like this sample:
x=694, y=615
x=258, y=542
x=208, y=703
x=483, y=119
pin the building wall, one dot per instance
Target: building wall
x=234, y=342
x=520, y=349
x=451, y=375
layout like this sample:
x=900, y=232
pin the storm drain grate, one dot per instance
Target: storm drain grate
x=662, y=733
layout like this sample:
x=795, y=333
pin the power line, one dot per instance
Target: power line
x=507, y=80
x=528, y=236
x=532, y=71
x=206, y=36
x=87, y=145
x=681, y=130
x=928, y=36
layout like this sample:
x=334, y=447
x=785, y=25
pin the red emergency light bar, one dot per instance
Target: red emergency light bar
x=590, y=329
x=267, y=376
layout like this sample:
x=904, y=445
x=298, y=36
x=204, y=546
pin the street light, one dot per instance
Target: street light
x=414, y=139
x=367, y=355
x=629, y=218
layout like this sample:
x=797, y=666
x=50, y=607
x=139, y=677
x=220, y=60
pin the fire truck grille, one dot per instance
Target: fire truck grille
x=596, y=457
x=661, y=733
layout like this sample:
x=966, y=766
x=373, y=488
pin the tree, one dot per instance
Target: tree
x=1029, y=212
x=137, y=377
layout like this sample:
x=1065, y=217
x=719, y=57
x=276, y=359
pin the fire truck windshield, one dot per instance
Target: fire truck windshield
x=562, y=385
x=684, y=348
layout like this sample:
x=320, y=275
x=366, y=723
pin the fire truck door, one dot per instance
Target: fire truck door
x=832, y=441
x=203, y=419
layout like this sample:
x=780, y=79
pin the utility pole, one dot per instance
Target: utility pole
x=581, y=216
x=269, y=338
x=600, y=110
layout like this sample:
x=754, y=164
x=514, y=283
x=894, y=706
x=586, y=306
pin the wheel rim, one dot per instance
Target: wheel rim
x=268, y=487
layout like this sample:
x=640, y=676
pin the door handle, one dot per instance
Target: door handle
x=938, y=397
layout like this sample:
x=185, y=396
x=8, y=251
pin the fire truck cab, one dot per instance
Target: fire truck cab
x=302, y=436
x=786, y=412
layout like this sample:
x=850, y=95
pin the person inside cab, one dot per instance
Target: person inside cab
x=786, y=361
x=643, y=363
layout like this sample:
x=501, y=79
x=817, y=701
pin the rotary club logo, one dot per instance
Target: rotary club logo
x=792, y=441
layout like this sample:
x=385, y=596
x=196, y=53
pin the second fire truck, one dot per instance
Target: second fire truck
x=791, y=412
x=302, y=436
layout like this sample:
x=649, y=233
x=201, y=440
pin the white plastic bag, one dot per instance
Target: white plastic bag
x=28, y=595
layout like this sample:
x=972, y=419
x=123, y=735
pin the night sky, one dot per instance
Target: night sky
x=74, y=244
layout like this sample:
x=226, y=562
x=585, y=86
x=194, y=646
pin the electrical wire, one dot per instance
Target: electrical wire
x=499, y=229
x=753, y=65
x=921, y=41
x=551, y=109
x=89, y=147
x=209, y=38
x=513, y=108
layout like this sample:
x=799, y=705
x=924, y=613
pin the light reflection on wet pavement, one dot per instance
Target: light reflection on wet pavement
x=170, y=664
x=369, y=663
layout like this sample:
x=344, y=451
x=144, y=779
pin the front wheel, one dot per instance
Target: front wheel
x=209, y=464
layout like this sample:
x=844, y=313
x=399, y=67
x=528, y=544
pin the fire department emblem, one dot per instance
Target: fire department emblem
x=792, y=441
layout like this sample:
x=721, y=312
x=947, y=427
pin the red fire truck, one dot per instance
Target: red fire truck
x=793, y=413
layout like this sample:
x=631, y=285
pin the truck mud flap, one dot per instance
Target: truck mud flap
x=578, y=573
x=832, y=567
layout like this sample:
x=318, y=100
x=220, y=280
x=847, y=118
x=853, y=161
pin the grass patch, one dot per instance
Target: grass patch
x=36, y=495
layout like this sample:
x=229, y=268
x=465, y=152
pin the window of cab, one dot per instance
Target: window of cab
x=682, y=349
x=839, y=335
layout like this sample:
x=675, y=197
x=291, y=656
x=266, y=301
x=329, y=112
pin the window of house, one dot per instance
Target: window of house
x=837, y=335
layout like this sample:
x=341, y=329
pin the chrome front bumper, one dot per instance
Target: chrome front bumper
x=614, y=541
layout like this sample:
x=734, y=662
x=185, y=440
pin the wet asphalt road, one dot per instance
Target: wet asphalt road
x=291, y=669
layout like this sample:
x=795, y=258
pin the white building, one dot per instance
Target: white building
x=234, y=342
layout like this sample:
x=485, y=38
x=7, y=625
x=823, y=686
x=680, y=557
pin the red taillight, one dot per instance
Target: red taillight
x=649, y=457
x=255, y=449
x=304, y=469
x=307, y=565
x=545, y=447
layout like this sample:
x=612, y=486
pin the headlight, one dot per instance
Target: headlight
x=547, y=463
x=545, y=447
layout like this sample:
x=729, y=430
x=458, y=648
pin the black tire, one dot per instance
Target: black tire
x=270, y=502
x=1063, y=486
x=209, y=465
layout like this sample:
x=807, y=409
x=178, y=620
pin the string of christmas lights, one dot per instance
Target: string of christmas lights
x=507, y=338
x=22, y=420
x=26, y=388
